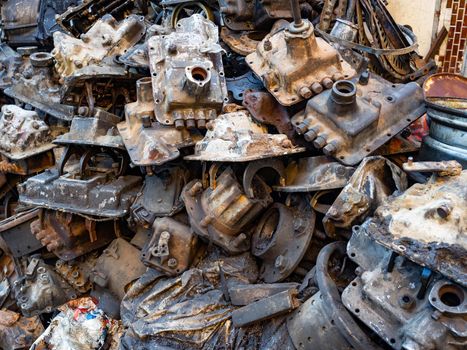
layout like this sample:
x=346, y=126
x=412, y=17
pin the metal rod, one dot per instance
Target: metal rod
x=297, y=16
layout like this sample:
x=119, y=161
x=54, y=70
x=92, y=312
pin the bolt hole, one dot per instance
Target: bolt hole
x=354, y=284
x=392, y=340
x=357, y=311
x=451, y=295
x=199, y=74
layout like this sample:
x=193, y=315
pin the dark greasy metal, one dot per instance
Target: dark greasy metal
x=265, y=109
x=264, y=309
x=79, y=19
x=99, y=194
x=315, y=174
x=147, y=141
x=294, y=65
x=446, y=103
x=69, y=235
x=238, y=86
x=171, y=248
x=188, y=77
x=18, y=332
x=282, y=237
x=426, y=224
x=31, y=22
x=255, y=14
x=222, y=213
x=40, y=289
x=116, y=268
x=322, y=322
x=160, y=195
x=375, y=179
x=16, y=233
x=245, y=294
x=390, y=304
x=98, y=130
x=349, y=127
x=77, y=272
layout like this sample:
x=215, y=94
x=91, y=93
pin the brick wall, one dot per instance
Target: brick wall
x=452, y=59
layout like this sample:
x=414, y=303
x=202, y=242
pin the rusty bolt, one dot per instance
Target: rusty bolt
x=303, y=127
x=190, y=124
x=316, y=88
x=330, y=149
x=172, y=263
x=406, y=302
x=319, y=142
x=267, y=46
x=201, y=123
x=179, y=124
x=195, y=189
x=281, y=263
x=327, y=83
x=364, y=78
x=311, y=135
x=78, y=63
x=305, y=92
x=444, y=210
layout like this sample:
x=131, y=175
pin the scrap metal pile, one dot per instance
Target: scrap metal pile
x=233, y=174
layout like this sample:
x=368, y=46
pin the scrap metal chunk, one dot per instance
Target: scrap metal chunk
x=352, y=120
x=187, y=74
x=18, y=332
x=375, y=179
x=407, y=305
x=445, y=168
x=223, y=213
x=235, y=137
x=41, y=289
x=246, y=294
x=105, y=38
x=427, y=224
x=116, y=268
x=171, y=248
x=16, y=233
x=295, y=65
x=282, y=237
x=69, y=236
x=99, y=194
x=25, y=141
x=148, y=142
x=273, y=306
x=315, y=174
